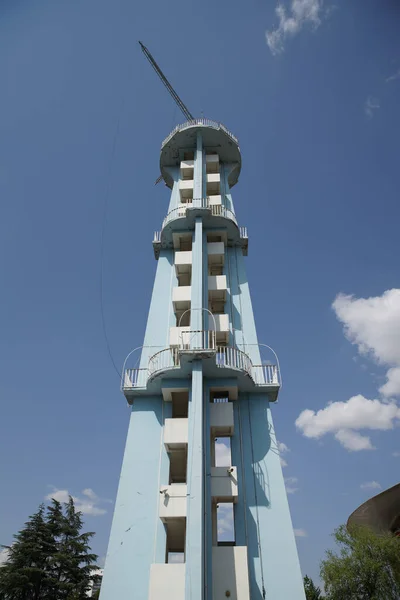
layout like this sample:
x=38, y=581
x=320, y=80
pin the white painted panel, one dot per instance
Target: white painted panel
x=182, y=293
x=221, y=417
x=221, y=322
x=213, y=177
x=167, y=582
x=216, y=283
x=224, y=483
x=175, y=337
x=183, y=257
x=215, y=200
x=173, y=500
x=230, y=573
x=175, y=432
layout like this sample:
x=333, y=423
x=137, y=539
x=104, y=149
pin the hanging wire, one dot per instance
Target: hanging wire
x=103, y=227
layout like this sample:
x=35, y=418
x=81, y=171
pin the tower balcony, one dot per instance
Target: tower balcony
x=213, y=211
x=212, y=163
x=226, y=361
x=186, y=189
x=173, y=501
x=175, y=434
x=187, y=169
x=216, y=253
x=181, y=297
x=221, y=419
x=224, y=485
x=213, y=181
x=217, y=287
x=183, y=262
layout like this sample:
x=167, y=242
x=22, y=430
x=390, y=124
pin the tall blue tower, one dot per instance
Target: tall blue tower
x=201, y=378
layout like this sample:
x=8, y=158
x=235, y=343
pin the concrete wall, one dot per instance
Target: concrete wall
x=230, y=573
x=167, y=582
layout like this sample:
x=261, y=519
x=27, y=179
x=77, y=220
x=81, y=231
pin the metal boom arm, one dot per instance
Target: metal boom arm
x=167, y=84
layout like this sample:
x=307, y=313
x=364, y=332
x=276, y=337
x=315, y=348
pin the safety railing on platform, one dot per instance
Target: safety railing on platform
x=135, y=378
x=163, y=360
x=202, y=121
x=233, y=358
x=265, y=374
x=243, y=232
x=217, y=210
x=195, y=341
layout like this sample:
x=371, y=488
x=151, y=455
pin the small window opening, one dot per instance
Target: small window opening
x=225, y=524
x=217, y=307
x=184, y=279
x=215, y=270
x=176, y=534
x=214, y=237
x=188, y=155
x=185, y=243
x=222, y=452
x=180, y=405
x=177, y=466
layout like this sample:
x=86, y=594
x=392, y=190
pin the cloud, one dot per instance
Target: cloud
x=344, y=419
x=301, y=12
x=87, y=505
x=373, y=325
x=371, y=485
x=283, y=449
x=4, y=553
x=394, y=76
x=290, y=483
x=396, y=454
x=222, y=454
x=371, y=104
x=300, y=532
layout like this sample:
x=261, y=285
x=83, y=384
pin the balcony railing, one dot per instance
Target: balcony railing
x=204, y=122
x=233, y=358
x=164, y=360
x=197, y=341
x=217, y=210
x=135, y=378
x=265, y=374
x=202, y=342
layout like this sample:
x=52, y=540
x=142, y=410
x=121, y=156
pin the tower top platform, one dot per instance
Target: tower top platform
x=216, y=137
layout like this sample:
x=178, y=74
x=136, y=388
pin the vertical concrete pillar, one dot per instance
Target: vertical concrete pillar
x=194, y=583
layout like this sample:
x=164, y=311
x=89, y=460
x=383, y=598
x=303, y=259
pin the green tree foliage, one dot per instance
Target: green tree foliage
x=367, y=566
x=50, y=558
x=312, y=591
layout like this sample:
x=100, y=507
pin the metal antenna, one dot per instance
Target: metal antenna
x=167, y=84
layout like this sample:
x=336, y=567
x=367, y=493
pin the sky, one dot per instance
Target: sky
x=312, y=91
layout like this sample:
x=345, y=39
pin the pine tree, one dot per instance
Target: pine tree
x=24, y=575
x=73, y=562
x=312, y=591
x=50, y=559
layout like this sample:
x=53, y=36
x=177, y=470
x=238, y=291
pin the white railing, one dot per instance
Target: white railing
x=243, y=232
x=157, y=237
x=192, y=341
x=233, y=358
x=217, y=210
x=193, y=123
x=163, y=360
x=265, y=374
x=135, y=378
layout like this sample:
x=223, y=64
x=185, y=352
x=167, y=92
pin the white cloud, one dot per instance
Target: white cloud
x=371, y=104
x=371, y=485
x=344, y=419
x=222, y=454
x=394, y=76
x=290, y=484
x=373, y=325
x=300, y=532
x=283, y=449
x=300, y=13
x=396, y=454
x=87, y=505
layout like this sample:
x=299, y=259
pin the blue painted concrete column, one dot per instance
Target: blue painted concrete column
x=198, y=168
x=194, y=584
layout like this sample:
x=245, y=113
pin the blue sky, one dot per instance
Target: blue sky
x=312, y=91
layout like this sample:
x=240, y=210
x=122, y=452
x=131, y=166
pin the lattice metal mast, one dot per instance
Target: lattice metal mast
x=181, y=105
